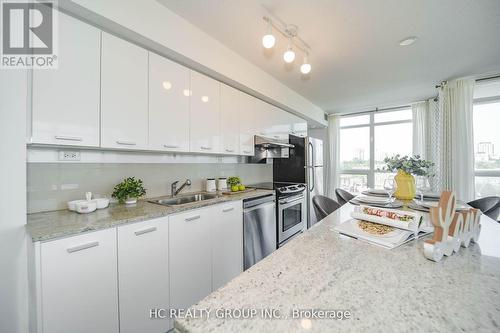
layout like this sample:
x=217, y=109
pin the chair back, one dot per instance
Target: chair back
x=324, y=206
x=343, y=196
x=490, y=206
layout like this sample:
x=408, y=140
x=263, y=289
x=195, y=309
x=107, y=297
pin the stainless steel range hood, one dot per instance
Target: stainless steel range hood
x=270, y=143
x=268, y=148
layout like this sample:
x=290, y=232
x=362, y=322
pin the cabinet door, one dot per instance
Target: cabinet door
x=282, y=125
x=79, y=283
x=266, y=117
x=205, y=114
x=190, y=257
x=299, y=126
x=247, y=124
x=143, y=275
x=168, y=105
x=124, y=94
x=227, y=242
x=66, y=100
x=229, y=120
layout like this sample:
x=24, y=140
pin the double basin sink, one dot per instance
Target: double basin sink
x=185, y=199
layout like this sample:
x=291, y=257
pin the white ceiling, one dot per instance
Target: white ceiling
x=357, y=62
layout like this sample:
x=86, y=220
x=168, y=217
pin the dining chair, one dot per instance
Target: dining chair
x=343, y=196
x=490, y=206
x=324, y=206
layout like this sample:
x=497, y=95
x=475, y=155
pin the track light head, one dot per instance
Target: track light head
x=268, y=41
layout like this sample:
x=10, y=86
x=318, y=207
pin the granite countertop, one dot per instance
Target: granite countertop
x=384, y=290
x=50, y=225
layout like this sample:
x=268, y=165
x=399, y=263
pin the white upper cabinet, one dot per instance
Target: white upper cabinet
x=124, y=94
x=79, y=283
x=229, y=119
x=299, y=126
x=66, y=99
x=247, y=124
x=264, y=117
x=205, y=114
x=143, y=275
x=168, y=105
x=227, y=242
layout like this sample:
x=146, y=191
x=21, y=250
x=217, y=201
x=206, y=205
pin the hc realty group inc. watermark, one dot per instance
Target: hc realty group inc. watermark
x=29, y=34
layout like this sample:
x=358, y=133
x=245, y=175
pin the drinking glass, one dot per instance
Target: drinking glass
x=390, y=187
x=423, y=186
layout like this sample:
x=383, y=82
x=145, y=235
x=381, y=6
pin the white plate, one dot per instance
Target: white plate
x=429, y=204
x=371, y=199
x=378, y=191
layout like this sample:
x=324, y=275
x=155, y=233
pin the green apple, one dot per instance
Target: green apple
x=235, y=188
x=241, y=187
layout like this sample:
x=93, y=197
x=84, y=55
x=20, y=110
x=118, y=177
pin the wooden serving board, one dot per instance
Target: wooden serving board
x=239, y=192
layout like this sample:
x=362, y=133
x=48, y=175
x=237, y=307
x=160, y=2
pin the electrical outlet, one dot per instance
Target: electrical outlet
x=69, y=155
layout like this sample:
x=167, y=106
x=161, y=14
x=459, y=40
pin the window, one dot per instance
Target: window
x=487, y=146
x=365, y=140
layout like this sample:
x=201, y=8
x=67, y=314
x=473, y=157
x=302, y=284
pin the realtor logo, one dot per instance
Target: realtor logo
x=28, y=34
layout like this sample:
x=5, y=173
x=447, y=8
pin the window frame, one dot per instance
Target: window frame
x=484, y=172
x=370, y=172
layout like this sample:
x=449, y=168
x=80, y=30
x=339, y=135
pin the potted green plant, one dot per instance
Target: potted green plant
x=234, y=183
x=407, y=167
x=128, y=191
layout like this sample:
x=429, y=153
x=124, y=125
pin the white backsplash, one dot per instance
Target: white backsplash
x=51, y=185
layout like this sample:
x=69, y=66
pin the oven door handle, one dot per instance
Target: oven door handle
x=284, y=202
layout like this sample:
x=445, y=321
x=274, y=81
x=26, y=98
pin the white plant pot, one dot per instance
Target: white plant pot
x=131, y=201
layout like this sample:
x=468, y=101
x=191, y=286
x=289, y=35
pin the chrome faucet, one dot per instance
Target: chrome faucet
x=173, y=187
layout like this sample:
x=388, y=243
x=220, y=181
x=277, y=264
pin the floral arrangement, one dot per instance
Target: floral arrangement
x=413, y=165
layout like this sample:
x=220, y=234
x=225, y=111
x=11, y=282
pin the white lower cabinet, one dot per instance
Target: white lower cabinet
x=227, y=243
x=143, y=275
x=79, y=291
x=109, y=280
x=190, y=257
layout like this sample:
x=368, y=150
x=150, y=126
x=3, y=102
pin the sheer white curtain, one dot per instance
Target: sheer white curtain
x=333, y=146
x=420, y=128
x=451, y=138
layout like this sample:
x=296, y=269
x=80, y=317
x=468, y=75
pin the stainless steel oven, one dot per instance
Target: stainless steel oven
x=292, y=216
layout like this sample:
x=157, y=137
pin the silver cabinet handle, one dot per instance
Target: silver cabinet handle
x=82, y=247
x=126, y=143
x=144, y=231
x=171, y=146
x=206, y=148
x=192, y=218
x=68, y=138
x=228, y=209
x=246, y=151
x=229, y=150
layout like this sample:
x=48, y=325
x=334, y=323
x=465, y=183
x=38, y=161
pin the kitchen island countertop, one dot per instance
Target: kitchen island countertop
x=383, y=290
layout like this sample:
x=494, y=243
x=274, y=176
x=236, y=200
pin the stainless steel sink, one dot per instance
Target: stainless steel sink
x=181, y=200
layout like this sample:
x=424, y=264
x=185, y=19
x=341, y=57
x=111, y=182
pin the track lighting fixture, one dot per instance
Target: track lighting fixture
x=295, y=43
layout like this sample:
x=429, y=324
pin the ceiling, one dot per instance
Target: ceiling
x=357, y=62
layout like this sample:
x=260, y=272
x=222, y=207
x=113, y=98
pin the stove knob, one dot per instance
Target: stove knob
x=282, y=189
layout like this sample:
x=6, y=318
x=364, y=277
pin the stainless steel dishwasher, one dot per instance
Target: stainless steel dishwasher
x=259, y=228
